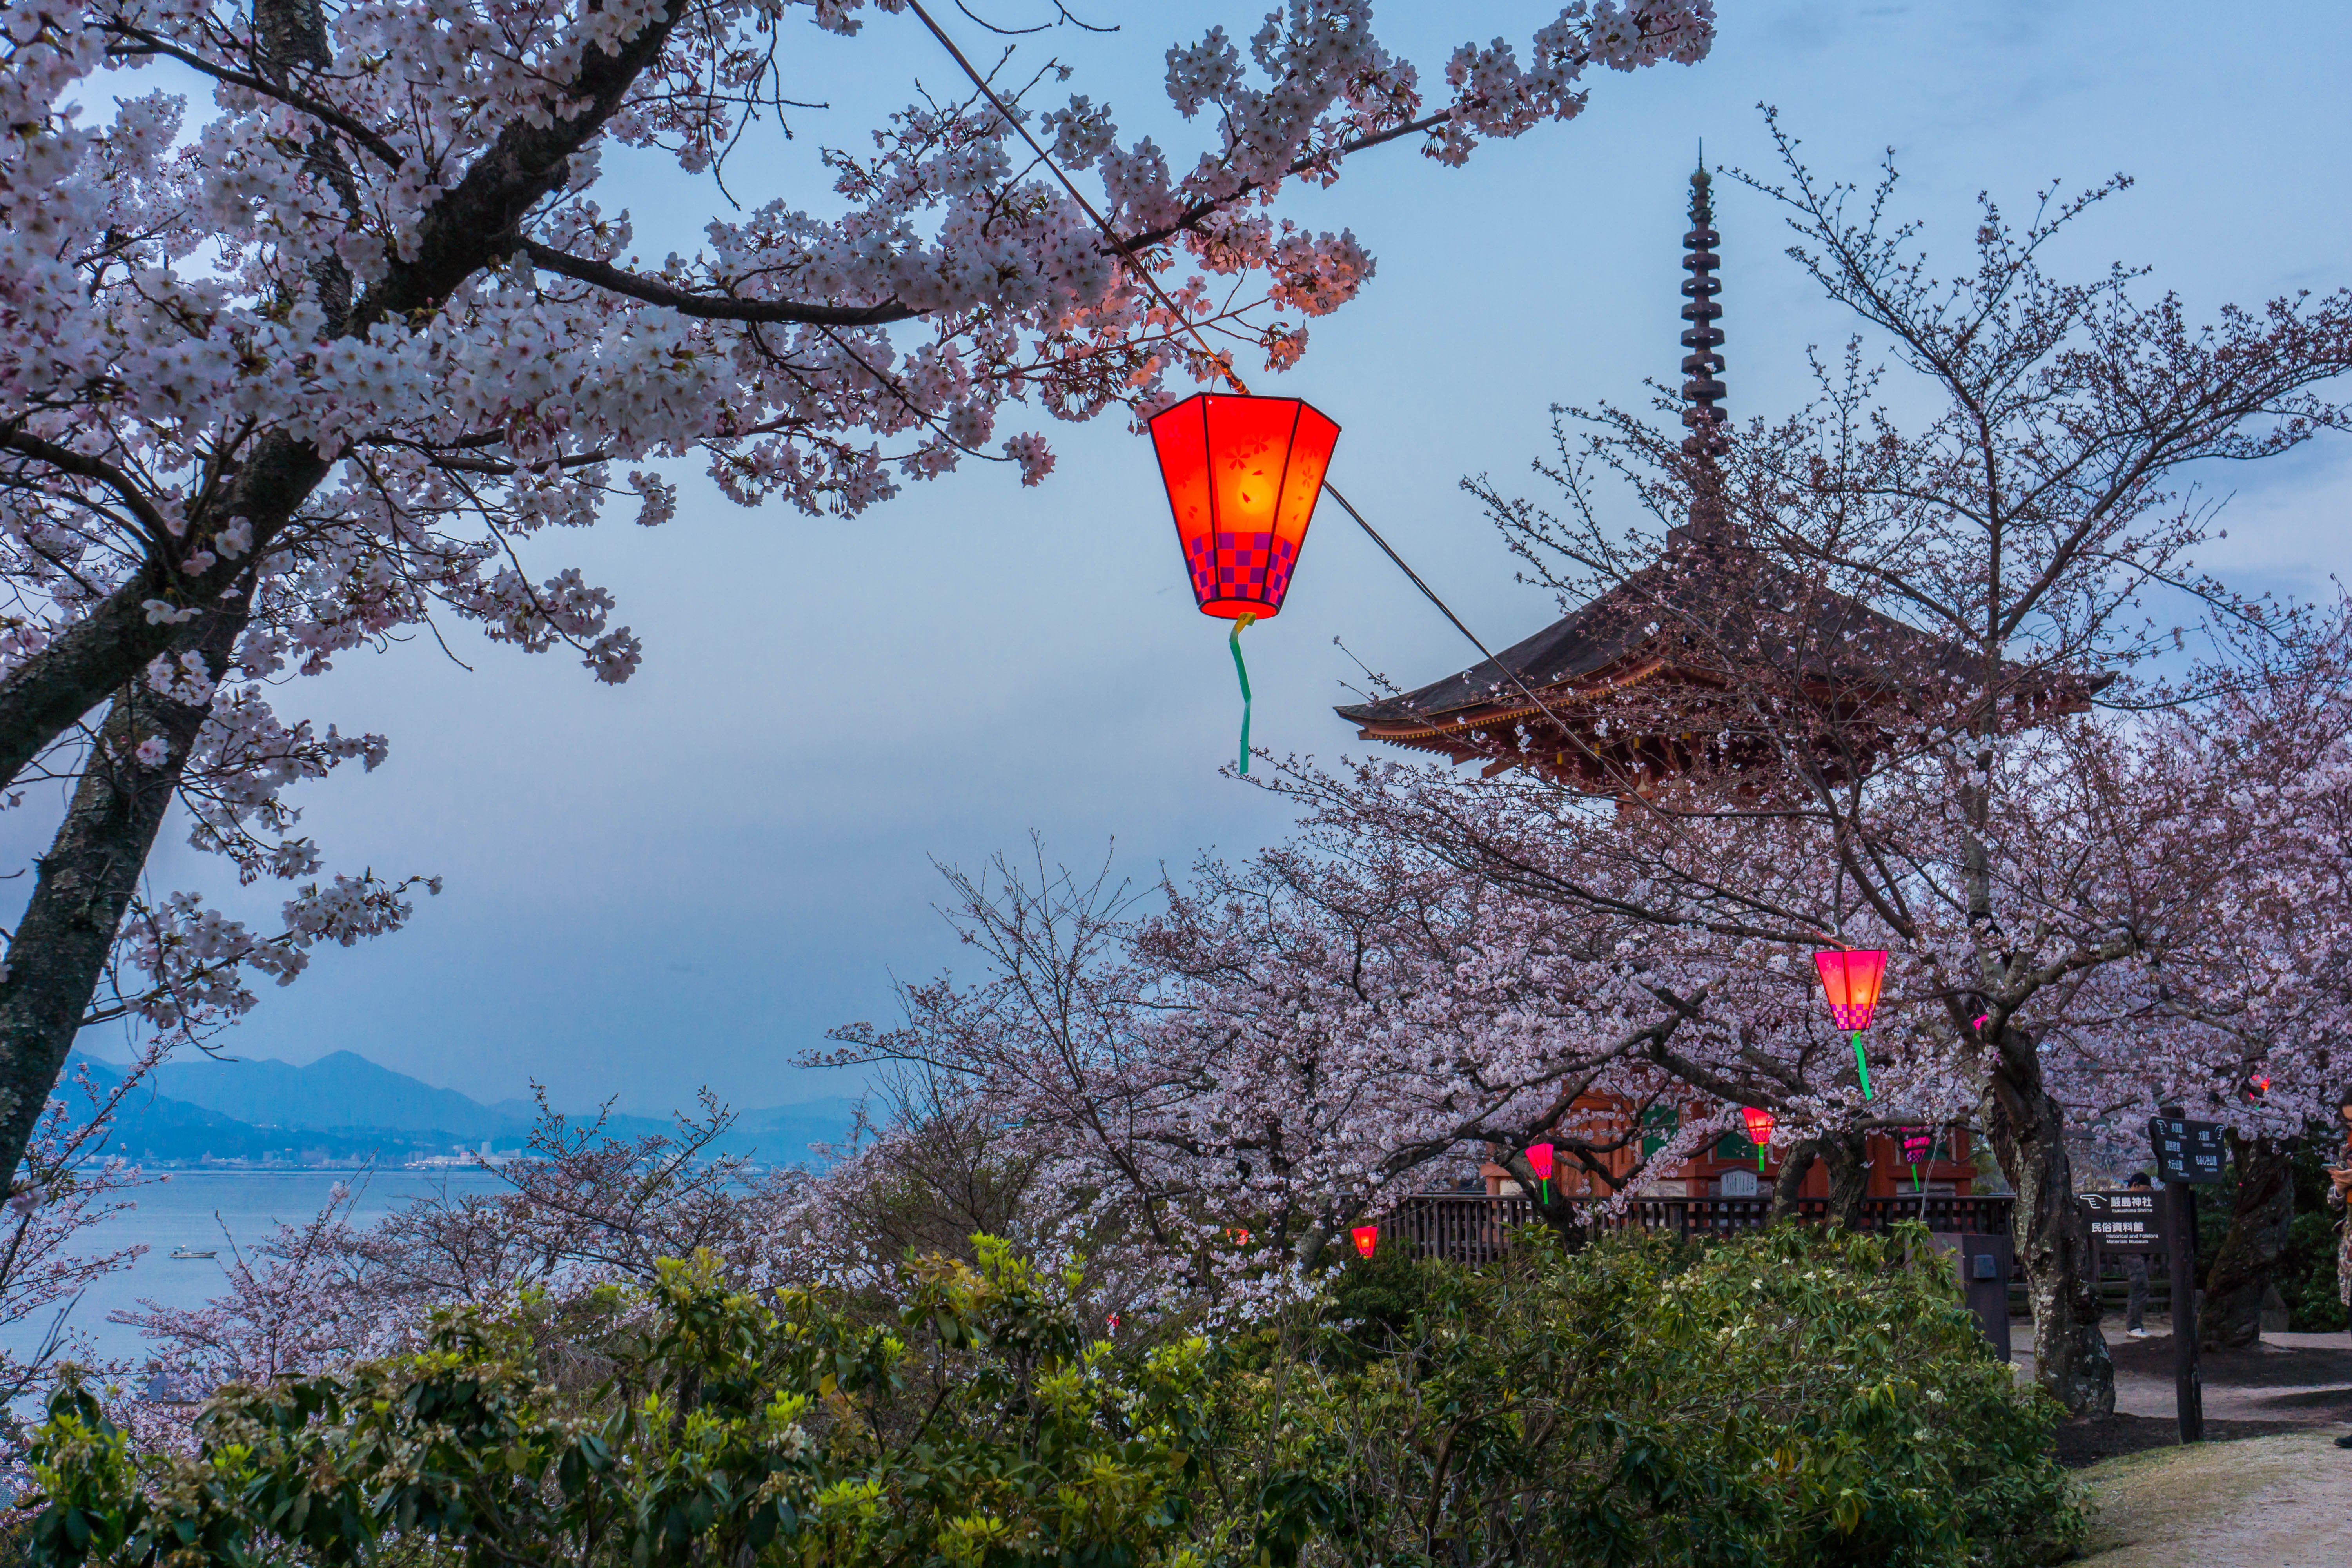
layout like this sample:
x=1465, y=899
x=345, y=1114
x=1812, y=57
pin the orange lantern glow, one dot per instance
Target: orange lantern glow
x=1367, y=1237
x=1852, y=979
x=1242, y=474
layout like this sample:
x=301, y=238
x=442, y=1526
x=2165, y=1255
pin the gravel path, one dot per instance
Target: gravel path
x=2273, y=1492
x=2265, y=1502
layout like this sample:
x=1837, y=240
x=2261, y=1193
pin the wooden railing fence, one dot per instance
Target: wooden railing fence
x=1472, y=1228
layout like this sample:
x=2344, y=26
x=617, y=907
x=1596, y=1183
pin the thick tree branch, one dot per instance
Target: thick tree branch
x=711, y=307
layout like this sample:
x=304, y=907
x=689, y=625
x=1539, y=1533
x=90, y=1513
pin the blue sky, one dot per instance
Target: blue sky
x=688, y=880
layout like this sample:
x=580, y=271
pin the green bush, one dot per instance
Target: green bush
x=985, y=1430
x=1797, y=1396
x=1788, y=1398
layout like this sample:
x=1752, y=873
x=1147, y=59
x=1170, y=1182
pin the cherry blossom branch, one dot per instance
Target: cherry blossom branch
x=325, y=113
x=707, y=307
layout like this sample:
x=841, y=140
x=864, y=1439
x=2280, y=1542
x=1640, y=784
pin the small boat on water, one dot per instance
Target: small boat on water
x=194, y=1252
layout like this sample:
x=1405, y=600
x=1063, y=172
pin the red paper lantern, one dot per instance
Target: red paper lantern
x=1540, y=1157
x=1760, y=1125
x=1242, y=474
x=1367, y=1237
x=1852, y=979
x=1919, y=1142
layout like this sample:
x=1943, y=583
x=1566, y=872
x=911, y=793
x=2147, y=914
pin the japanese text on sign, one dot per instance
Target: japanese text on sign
x=2186, y=1150
x=2128, y=1221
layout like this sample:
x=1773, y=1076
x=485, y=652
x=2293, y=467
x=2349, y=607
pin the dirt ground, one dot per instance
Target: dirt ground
x=2264, y=1502
x=2268, y=1489
x=2287, y=1384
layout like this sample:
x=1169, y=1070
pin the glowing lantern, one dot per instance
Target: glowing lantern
x=1367, y=1237
x=2262, y=1086
x=1852, y=980
x=1539, y=1160
x=1759, y=1131
x=1242, y=475
x=1919, y=1143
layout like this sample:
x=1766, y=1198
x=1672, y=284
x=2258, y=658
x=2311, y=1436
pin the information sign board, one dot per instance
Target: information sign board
x=2186, y=1150
x=2129, y=1221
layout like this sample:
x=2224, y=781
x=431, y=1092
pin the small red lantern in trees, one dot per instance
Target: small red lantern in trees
x=1242, y=475
x=1759, y=1131
x=1919, y=1143
x=1852, y=979
x=1367, y=1237
x=1539, y=1161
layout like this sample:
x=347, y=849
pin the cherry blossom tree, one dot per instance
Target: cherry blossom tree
x=286, y=379
x=2251, y=1019
x=1933, y=685
x=69, y=1183
x=1229, y=1078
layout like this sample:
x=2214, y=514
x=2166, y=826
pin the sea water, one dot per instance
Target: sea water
x=221, y=1212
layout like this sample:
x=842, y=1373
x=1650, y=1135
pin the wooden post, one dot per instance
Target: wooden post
x=2180, y=1255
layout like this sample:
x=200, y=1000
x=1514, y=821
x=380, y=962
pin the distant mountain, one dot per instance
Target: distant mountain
x=343, y=1090
x=156, y=1129
x=344, y=1106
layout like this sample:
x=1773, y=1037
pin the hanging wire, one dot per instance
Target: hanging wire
x=1232, y=378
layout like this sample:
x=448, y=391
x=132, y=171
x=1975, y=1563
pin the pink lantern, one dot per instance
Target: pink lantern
x=1760, y=1129
x=1539, y=1161
x=1367, y=1237
x=1918, y=1144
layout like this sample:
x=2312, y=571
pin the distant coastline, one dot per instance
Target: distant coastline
x=344, y=1112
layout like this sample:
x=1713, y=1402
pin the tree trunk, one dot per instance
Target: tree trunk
x=67, y=936
x=474, y=223
x=1847, y=1155
x=1562, y=1216
x=2028, y=1132
x=2231, y=1317
x=61, y=946
x=1793, y=1171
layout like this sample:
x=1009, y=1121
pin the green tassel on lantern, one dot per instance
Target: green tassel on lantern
x=1243, y=670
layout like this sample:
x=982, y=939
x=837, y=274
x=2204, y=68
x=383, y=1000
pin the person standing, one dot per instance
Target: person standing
x=2135, y=1272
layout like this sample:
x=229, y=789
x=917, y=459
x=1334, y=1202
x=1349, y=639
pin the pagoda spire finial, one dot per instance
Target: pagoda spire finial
x=1704, y=363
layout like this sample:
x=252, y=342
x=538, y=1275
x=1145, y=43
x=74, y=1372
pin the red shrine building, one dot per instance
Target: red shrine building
x=1727, y=1169
x=1623, y=694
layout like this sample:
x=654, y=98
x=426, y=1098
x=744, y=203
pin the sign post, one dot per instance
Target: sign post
x=2188, y=1154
